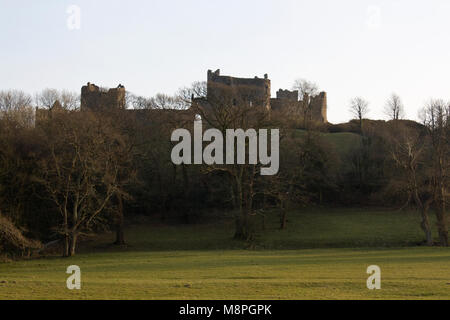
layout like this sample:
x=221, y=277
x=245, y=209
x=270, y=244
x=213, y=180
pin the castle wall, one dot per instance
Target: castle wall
x=286, y=106
x=287, y=103
x=319, y=108
x=93, y=98
x=226, y=90
x=42, y=115
x=221, y=91
x=230, y=90
x=287, y=95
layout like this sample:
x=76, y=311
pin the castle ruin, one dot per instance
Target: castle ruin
x=229, y=90
x=96, y=99
x=257, y=92
x=221, y=91
x=315, y=108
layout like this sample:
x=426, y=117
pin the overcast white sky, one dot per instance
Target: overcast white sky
x=349, y=47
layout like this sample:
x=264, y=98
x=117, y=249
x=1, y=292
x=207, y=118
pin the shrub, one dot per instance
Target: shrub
x=12, y=240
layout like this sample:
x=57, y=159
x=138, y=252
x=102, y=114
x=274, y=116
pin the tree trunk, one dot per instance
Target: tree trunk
x=243, y=230
x=73, y=245
x=66, y=245
x=426, y=227
x=66, y=235
x=186, y=184
x=283, y=220
x=361, y=125
x=120, y=237
x=244, y=227
x=441, y=210
x=442, y=227
x=423, y=207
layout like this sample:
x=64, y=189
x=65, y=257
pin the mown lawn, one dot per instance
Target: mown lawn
x=410, y=273
x=323, y=254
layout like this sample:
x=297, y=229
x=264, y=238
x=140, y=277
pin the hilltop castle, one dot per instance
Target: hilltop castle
x=95, y=99
x=221, y=90
x=257, y=92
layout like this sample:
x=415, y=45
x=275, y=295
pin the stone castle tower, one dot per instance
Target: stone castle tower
x=256, y=91
x=318, y=107
x=230, y=90
x=96, y=99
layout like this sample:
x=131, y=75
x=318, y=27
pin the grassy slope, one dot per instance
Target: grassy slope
x=342, y=142
x=307, y=229
x=196, y=262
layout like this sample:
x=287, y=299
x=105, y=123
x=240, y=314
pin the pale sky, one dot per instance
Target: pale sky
x=349, y=47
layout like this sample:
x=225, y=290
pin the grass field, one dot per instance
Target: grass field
x=202, y=262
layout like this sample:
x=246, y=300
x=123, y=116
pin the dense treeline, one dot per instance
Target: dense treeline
x=78, y=173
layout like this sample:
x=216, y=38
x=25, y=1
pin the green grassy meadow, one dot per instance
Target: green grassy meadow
x=324, y=254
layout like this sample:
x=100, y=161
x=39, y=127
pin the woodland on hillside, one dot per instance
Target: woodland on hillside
x=80, y=173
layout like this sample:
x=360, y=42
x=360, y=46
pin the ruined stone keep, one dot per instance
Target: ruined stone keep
x=96, y=99
x=221, y=91
x=230, y=90
x=257, y=92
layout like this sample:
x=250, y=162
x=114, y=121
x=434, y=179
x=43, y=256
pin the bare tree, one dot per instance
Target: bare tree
x=47, y=97
x=14, y=99
x=182, y=100
x=16, y=106
x=408, y=149
x=163, y=101
x=307, y=90
x=292, y=185
x=306, y=87
x=359, y=107
x=137, y=102
x=69, y=100
x=436, y=118
x=125, y=130
x=227, y=109
x=394, y=108
x=185, y=95
x=81, y=171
